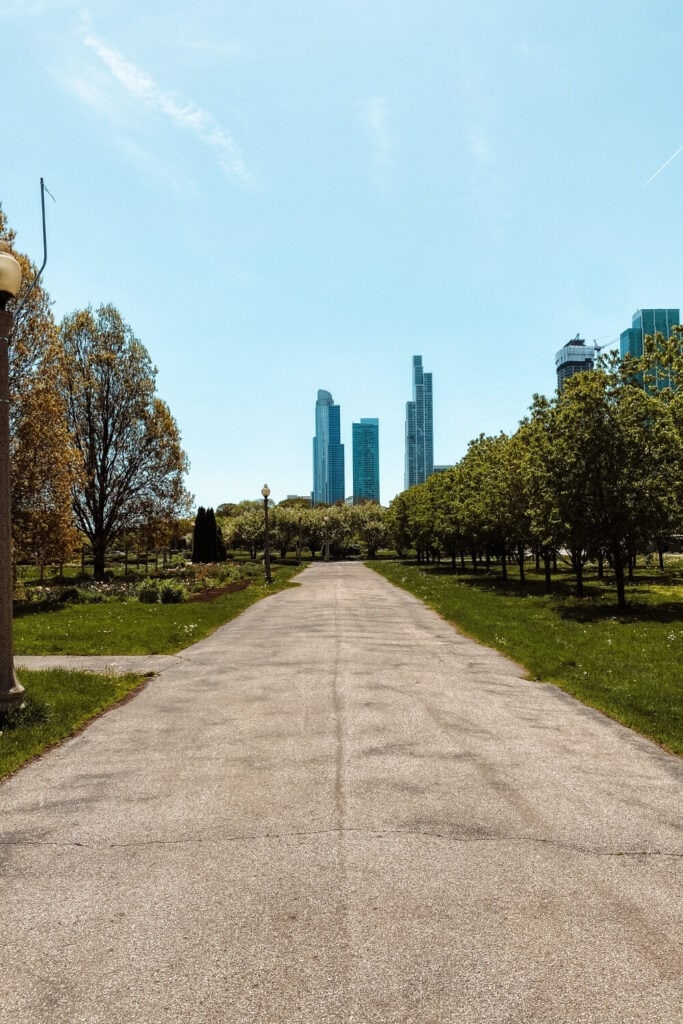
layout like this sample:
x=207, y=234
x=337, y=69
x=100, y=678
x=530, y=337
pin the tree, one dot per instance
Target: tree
x=284, y=528
x=616, y=466
x=43, y=459
x=371, y=524
x=248, y=528
x=128, y=442
x=207, y=538
x=42, y=517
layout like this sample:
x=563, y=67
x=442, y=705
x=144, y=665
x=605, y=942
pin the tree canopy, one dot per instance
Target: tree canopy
x=128, y=443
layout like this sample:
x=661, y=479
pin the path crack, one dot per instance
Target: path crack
x=368, y=832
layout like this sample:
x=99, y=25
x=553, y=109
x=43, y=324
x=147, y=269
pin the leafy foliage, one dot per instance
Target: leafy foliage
x=128, y=442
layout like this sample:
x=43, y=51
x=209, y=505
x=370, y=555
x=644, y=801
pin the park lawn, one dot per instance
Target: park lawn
x=628, y=665
x=130, y=627
x=57, y=704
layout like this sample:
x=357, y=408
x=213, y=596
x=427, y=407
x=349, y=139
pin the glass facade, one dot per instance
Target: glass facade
x=574, y=357
x=419, y=436
x=328, y=453
x=648, y=321
x=366, y=460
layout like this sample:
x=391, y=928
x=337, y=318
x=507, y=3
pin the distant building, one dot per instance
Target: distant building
x=419, y=452
x=648, y=321
x=443, y=469
x=328, y=453
x=574, y=357
x=366, y=460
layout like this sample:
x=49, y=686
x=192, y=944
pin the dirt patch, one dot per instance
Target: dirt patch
x=213, y=592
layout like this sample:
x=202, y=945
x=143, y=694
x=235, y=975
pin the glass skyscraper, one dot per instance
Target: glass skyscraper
x=328, y=453
x=648, y=321
x=574, y=357
x=366, y=460
x=419, y=463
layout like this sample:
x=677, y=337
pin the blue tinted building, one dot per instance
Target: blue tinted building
x=419, y=458
x=328, y=453
x=649, y=321
x=366, y=460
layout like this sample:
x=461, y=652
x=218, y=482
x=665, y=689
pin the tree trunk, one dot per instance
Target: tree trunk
x=98, y=553
x=546, y=569
x=660, y=552
x=520, y=553
x=504, y=564
x=619, y=577
x=474, y=561
x=578, y=570
x=601, y=566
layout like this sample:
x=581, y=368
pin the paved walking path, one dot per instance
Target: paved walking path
x=337, y=809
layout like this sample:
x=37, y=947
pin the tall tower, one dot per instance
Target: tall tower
x=632, y=340
x=366, y=460
x=574, y=357
x=419, y=462
x=328, y=453
x=647, y=321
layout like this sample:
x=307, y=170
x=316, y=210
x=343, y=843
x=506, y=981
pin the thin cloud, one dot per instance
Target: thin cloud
x=19, y=8
x=480, y=147
x=375, y=117
x=665, y=164
x=182, y=113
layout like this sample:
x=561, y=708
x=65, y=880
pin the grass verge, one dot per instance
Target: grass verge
x=57, y=704
x=129, y=627
x=627, y=665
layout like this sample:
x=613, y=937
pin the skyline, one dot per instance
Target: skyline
x=283, y=194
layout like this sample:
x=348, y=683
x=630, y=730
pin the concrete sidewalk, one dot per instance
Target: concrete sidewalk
x=337, y=809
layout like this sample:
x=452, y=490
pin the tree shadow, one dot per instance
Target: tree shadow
x=598, y=603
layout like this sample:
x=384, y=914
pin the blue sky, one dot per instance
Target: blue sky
x=286, y=195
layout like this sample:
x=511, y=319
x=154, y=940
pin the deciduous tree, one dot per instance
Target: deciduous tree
x=132, y=461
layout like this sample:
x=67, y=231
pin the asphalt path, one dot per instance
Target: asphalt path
x=338, y=809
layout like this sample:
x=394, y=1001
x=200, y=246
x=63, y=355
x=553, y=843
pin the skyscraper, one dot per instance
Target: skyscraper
x=366, y=460
x=419, y=462
x=647, y=321
x=574, y=357
x=328, y=453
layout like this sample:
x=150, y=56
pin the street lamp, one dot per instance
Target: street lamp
x=265, y=491
x=326, y=524
x=10, y=281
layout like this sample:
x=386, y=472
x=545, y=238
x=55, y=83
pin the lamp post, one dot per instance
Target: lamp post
x=326, y=524
x=265, y=491
x=10, y=281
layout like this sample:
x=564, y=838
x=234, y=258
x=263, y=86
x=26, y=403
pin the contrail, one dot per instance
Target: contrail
x=665, y=164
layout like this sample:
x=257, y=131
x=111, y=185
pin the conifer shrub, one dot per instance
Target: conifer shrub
x=172, y=592
x=148, y=591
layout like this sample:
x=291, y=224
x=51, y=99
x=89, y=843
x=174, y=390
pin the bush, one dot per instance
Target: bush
x=172, y=592
x=148, y=591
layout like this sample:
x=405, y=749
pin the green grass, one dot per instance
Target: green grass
x=129, y=627
x=628, y=665
x=57, y=704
